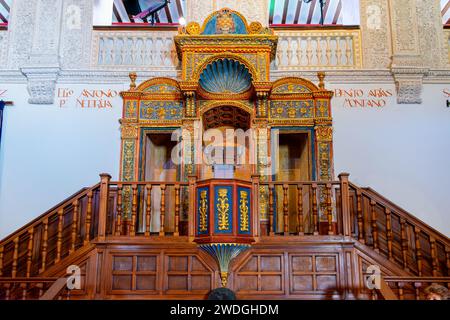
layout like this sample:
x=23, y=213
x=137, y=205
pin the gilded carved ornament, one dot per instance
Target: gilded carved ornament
x=324, y=133
x=129, y=132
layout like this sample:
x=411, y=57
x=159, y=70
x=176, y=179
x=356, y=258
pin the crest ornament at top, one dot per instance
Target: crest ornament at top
x=225, y=22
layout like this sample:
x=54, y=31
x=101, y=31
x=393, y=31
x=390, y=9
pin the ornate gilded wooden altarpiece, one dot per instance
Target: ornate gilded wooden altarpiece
x=226, y=62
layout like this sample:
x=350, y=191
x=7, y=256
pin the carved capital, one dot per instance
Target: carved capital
x=409, y=83
x=324, y=133
x=130, y=131
x=41, y=84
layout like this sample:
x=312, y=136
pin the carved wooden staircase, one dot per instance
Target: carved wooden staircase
x=321, y=252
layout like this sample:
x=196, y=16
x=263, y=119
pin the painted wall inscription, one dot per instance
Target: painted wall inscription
x=87, y=98
x=362, y=97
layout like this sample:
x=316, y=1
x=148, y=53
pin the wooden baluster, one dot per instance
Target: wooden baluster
x=374, y=226
x=40, y=286
x=447, y=258
x=329, y=210
x=133, y=211
x=389, y=232
x=74, y=232
x=417, y=286
x=314, y=207
x=30, y=251
x=23, y=286
x=192, y=210
x=119, y=210
x=401, y=295
x=103, y=200
x=360, y=217
x=1, y=261
x=44, y=246
x=271, y=226
x=404, y=244
x=255, y=224
x=300, y=228
x=163, y=210
x=345, y=204
x=87, y=226
x=7, y=287
x=285, y=209
x=434, y=257
x=59, y=235
x=177, y=210
x=374, y=294
x=148, y=210
x=15, y=257
x=418, y=251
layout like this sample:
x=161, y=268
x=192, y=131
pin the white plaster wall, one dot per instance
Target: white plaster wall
x=401, y=151
x=48, y=153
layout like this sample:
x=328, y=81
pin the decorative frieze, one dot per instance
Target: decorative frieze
x=376, y=35
x=407, y=63
x=76, y=33
x=20, y=28
x=42, y=67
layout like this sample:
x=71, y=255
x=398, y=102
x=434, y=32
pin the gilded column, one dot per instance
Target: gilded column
x=129, y=141
x=324, y=141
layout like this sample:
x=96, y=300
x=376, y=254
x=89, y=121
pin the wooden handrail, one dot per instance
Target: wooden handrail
x=294, y=183
x=417, y=279
x=386, y=291
x=55, y=289
x=408, y=287
x=144, y=183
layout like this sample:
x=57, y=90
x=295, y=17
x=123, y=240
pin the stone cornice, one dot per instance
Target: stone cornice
x=121, y=76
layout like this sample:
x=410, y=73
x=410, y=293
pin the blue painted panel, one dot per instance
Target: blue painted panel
x=161, y=110
x=244, y=202
x=223, y=195
x=200, y=230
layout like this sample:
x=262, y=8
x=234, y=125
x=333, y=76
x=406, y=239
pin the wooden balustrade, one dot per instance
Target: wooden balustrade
x=150, y=209
x=302, y=218
x=29, y=288
x=300, y=221
x=155, y=209
x=49, y=238
x=397, y=235
x=413, y=288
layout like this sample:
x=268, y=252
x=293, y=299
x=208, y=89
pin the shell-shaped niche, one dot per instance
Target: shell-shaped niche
x=226, y=76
